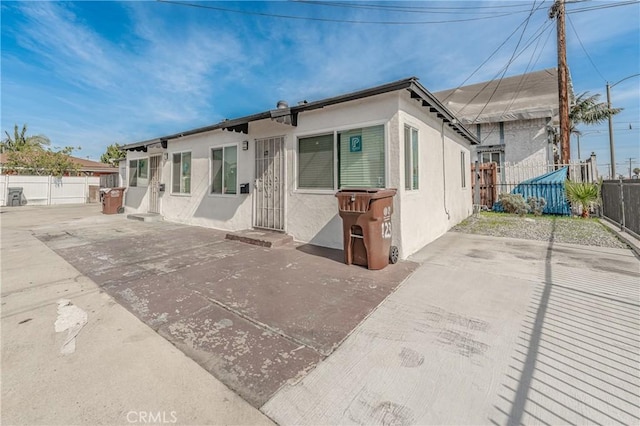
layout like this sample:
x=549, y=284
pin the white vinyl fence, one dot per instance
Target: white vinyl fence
x=47, y=190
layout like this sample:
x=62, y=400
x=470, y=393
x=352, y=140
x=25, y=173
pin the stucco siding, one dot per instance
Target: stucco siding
x=423, y=212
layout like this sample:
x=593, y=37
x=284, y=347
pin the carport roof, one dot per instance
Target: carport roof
x=241, y=124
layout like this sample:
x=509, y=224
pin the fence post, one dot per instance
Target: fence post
x=622, y=224
x=49, y=190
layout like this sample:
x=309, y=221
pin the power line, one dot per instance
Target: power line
x=605, y=6
x=342, y=21
x=585, y=50
x=495, y=89
x=413, y=9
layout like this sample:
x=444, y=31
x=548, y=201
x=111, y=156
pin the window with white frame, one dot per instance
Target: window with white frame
x=411, y=158
x=463, y=169
x=138, y=172
x=492, y=157
x=361, y=159
x=315, y=162
x=181, y=173
x=224, y=170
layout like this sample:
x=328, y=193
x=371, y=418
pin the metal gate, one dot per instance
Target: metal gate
x=269, y=191
x=154, y=183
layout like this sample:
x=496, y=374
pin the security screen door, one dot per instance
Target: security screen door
x=269, y=190
x=154, y=183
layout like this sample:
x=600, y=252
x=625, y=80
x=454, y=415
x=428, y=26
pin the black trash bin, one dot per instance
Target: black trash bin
x=366, y=226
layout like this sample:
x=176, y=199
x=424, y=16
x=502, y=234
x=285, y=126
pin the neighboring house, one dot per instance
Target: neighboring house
x=85, y=167
x=514, y=118
x=280, y=169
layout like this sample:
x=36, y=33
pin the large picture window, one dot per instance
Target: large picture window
x=138, y=172
x=411, y=158
x=361, y=158
x=315, y=162
x=181, y=173
x=224, y=170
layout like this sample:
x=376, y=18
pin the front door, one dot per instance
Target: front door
x=269, y=189
x=155, y=171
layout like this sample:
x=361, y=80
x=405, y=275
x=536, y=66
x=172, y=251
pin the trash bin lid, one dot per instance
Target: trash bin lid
x=369, y=193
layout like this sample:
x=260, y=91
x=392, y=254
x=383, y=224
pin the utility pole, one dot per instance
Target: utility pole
x=558, y=12
x=612, y=149
x=630, y=165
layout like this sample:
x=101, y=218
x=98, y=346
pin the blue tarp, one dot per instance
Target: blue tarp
x=549, y=186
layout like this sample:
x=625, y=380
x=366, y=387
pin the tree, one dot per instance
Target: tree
x=587, y=110
x=37, y=161
x=636, y=171
x=20, y=141
x=584, y=194
x=113, y=154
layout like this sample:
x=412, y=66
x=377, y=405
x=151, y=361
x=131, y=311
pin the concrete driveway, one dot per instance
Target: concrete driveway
x=488, y=331
x=256, y=318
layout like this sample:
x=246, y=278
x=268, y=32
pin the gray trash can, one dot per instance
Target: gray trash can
x=15, y=197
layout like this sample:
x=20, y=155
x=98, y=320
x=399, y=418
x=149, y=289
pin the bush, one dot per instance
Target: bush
x=513, y=203
x=536, y=205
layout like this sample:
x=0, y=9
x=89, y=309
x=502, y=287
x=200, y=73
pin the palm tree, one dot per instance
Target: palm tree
x=587, y=110
x=584, y=194
x=21, y=142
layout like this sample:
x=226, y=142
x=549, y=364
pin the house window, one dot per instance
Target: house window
x=138, y=172
x=224, y=170
x=315, y=162
x=493, y=157
x=181, y=173
x=463, y=169
x=361, y=157
x=411, y=158
x=502, y=133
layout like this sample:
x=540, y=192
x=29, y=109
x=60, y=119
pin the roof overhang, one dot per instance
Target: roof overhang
x=289, y=115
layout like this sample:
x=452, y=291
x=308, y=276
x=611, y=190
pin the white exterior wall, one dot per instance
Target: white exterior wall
x=423, y=212
x=524, y=140
x=311, y=216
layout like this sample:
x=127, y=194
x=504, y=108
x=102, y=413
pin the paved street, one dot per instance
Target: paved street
x=486, y=330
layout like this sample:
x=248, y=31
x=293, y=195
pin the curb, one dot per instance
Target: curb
x=631, y=241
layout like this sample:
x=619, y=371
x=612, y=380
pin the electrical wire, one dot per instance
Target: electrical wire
x=604, y=6
x=342, y=21
x=413, y=9
x=585, y=50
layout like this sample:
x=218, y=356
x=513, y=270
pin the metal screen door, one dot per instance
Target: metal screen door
x=154, y=183
x=269, y=191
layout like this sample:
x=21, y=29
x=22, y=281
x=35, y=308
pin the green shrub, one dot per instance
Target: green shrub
x=536, y=205
x=513, y=203
x=583, y=194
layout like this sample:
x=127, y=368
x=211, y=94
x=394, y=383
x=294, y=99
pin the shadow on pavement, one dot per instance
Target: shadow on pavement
x=578, y=352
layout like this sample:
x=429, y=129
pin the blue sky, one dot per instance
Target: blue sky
x=91, y=73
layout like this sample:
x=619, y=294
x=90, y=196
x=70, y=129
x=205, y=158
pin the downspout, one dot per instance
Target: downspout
x=444, y=177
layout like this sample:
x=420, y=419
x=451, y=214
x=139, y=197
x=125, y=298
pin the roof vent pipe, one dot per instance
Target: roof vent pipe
x=282, y=105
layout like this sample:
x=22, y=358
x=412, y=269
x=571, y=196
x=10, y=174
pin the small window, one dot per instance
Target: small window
x=411, y=158
x=133, y=172
x=315, y=162
x=493, y=157
x=463, y=169
x=502, y=132
x=138, y=172
x=224, y=170
x=181, y=173
x=361, y=158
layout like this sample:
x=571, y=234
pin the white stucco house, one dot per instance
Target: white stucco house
x=280, y=169
x=513, y=118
